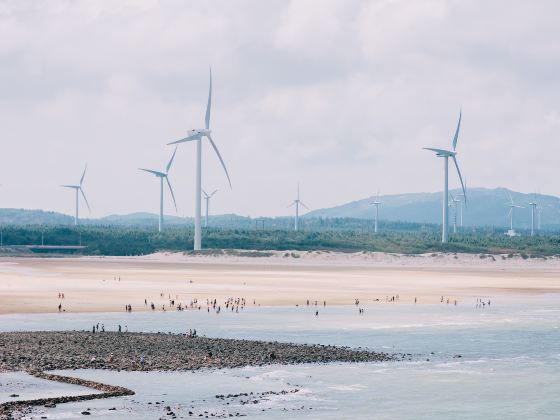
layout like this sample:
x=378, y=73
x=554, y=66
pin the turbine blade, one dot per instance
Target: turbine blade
x=83, y=175
x=85, y=199
x=441, y=152
x=171, y=191
x=70, y=186
x=204, y=192
x=190, y=137
x=213, y=192
x=209, y=104
x=171, y=160
x=461, y=178
x=510, y=197
x=304, y=205
x=157, y=173
x=457, y=131
x=220, y=157
x=290, y=205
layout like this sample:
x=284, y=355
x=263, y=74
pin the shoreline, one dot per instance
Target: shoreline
x=108, y=284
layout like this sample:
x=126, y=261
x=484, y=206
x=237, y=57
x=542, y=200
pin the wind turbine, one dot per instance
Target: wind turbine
x=512, y=206
x=533, y=205
x=207, y=197
x=297, y=202
x=446, y=154
x=197, y=135
x=78, y=189
x=376, y=203
x=462, y=199
x=162, y=176
x=454, y=203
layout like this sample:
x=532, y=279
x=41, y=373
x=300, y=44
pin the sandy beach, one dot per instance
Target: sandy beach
x=107, y=284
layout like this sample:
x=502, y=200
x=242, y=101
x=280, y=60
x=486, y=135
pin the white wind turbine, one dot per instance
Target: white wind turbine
x=207, y=197
x=534, y=206
x=446, y=154
x=455, y=203
x=197, y=135
x=297, y=202
x=512, y=206
x=78, y=189
x=461, y=198
x=376, y=203
x=162, y=176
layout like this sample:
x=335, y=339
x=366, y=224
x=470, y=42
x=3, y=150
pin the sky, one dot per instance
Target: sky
x=339, y=96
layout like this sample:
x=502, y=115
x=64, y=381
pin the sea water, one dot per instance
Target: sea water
x=502, y=361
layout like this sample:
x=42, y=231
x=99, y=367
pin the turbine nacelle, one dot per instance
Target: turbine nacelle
x=441, y=152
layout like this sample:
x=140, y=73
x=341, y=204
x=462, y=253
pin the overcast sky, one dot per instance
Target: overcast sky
x=338, y=95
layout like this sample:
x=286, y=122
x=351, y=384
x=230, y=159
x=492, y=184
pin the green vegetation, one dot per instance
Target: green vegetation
x=410, y=239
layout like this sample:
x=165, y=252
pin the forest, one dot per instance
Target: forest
x=344, y=236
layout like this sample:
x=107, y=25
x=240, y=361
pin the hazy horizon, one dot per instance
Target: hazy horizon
x=340, y=96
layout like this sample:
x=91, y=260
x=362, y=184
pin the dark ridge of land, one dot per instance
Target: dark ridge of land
x=38, y=351
x=16, y=409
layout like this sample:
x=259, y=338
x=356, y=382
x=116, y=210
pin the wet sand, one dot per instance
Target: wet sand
x=107, y=284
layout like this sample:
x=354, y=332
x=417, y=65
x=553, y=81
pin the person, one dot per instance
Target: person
x=59, y=307
x=93, y=329
x=142, y=361
x=120, y=329
x=316, y=313
x=415, y=300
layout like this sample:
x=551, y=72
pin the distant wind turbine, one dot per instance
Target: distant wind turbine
x=446, y=154
x=376, y=203
x=197, y=135
x=78, y=189
x=162, y=176
x=512, y=206
x=297, y=202
x=207, y=197
x=534, y=206
x=455, y=202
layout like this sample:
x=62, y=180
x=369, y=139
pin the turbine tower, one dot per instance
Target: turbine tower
x=78, y=189
x=446, y=154
x=512, y=206
x=376, y=203
x=297, y=202
x=207, y=197
x=197, y=135
x=533, y=210
x=162, y=176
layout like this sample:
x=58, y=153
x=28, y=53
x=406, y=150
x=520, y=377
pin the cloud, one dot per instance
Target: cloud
x=340, y=96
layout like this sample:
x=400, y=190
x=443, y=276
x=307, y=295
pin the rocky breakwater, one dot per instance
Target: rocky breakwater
x=40, y=351
x=37, y=352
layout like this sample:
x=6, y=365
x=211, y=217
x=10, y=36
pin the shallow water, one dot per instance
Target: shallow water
x=509, y=365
